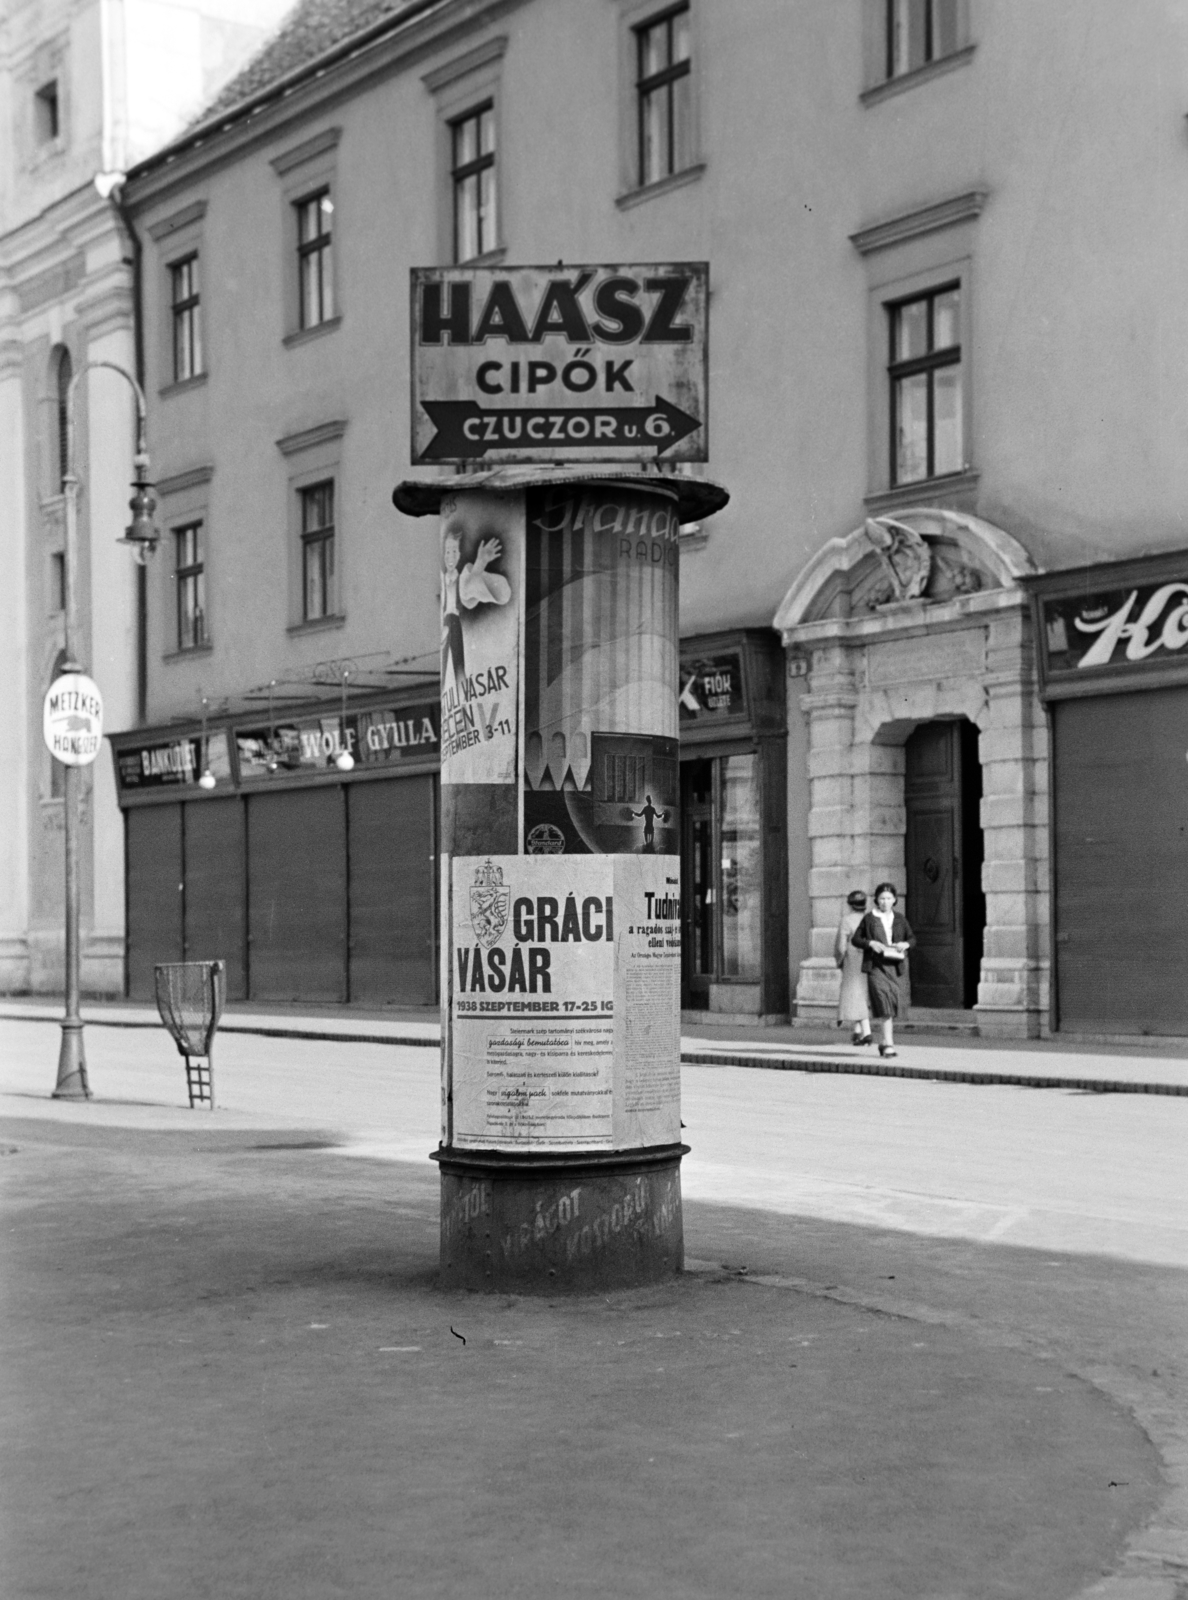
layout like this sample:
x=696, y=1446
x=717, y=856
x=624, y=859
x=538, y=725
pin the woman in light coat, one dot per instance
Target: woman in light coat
x=853, y=1004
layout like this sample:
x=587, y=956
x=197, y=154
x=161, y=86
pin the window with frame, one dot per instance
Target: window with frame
x=663, y=89
x=925, y=378
x=317, y=551
x=472, y=179
x=920, y=32
x=63, y=373
x=47, y=113
x=186, y=309
x=190, y=577
x=315, y=258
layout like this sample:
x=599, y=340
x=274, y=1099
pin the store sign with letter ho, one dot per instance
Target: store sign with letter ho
x=566, y=363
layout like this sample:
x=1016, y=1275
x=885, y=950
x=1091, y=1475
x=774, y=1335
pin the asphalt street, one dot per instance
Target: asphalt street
x=931, y=1344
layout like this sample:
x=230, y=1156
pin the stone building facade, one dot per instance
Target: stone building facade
x=87, y=87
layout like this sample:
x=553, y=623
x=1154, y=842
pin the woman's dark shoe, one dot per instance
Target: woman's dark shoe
x=862, y=1038
x=888, y=1050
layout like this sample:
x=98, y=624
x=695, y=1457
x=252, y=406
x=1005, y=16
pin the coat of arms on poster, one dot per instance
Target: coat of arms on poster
x=564, y=363
x=489, y=900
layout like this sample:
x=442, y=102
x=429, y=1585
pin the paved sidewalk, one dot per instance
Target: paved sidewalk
x=1150, y=1067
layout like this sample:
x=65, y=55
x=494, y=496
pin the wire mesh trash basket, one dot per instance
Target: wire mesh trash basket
x=190, y=1000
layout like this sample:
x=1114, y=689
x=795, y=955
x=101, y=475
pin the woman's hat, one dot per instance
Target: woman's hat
x=856, y=898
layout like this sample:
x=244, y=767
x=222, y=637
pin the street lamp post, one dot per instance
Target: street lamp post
x=143, y=536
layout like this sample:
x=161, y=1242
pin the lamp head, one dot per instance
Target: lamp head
x=207, y=780
x=142, y=532
x=344, y=761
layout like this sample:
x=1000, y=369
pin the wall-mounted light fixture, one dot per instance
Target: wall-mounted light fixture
x=344, y=760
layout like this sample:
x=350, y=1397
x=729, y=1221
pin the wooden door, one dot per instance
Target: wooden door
x=155, y=893
x=392, y=870
x=697, y=883
x=215, y=889
x=1121, y=846
x=297, y=895
x=943, y=861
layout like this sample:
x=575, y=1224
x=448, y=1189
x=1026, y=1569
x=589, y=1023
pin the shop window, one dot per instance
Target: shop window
x=47, y=113
x=925, y=380
x=315, y=259
x=186, y=310
x=722, y=870
x=663, y=90
x=190, y=576
x=472, y=177
x=317, y=551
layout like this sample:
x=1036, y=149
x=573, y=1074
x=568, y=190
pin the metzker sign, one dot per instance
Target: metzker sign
x=524, y=364
x=72, y=719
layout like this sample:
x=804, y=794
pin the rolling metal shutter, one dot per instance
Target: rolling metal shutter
x=1121, y=862
x=297, y=895
x=215, y=911
x=155, y=894
x=392, y=873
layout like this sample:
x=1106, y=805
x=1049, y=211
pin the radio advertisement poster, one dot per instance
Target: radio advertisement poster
x=563, y=1001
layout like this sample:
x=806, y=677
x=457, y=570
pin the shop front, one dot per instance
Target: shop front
x=734, y=875
x=1114, y=677
x=298, y=848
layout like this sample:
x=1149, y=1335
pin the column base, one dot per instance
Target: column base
x=560, y=1223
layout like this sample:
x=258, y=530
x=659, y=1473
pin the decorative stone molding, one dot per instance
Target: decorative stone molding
x=294, y=443
x=309, y=150
x=926, y=219
x=921, y=619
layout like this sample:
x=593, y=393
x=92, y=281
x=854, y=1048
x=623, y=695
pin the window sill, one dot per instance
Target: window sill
x=304, y=335
x=183, y=385
x=956, y=490
x=909, y=80
x=678, y=180
x=317, y=624
x=190, y=650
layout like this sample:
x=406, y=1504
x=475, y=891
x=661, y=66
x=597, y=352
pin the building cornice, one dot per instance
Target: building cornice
x=110, y=309
x=292, y=444
x=395, y=45
x=194, y=212
x=470, y=61
x=924, y=219
x=308, y=150
x=192, y=478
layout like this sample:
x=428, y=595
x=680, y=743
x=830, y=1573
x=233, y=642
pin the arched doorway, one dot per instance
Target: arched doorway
x=943, y=854
x=925, y=759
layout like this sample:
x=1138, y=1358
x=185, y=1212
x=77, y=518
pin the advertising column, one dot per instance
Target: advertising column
x=560, y=891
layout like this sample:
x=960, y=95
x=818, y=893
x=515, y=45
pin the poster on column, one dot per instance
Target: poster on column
x=599, y=664
x=482, y=555
x=563, y=1026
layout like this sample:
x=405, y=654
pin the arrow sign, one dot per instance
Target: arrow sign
x=466, y=430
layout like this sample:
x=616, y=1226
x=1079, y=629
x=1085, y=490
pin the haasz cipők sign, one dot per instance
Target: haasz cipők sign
x=1118, y=628
x=585, y=363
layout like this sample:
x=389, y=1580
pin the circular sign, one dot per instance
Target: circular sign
x=546, y=840
x=72, y=719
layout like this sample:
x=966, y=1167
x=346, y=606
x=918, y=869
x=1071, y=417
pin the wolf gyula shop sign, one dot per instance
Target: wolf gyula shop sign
x=586, y=363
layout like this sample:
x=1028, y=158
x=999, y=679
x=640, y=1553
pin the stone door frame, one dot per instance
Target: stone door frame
x=888, y=649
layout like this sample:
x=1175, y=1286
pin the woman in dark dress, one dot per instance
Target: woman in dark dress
x=884, y=937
